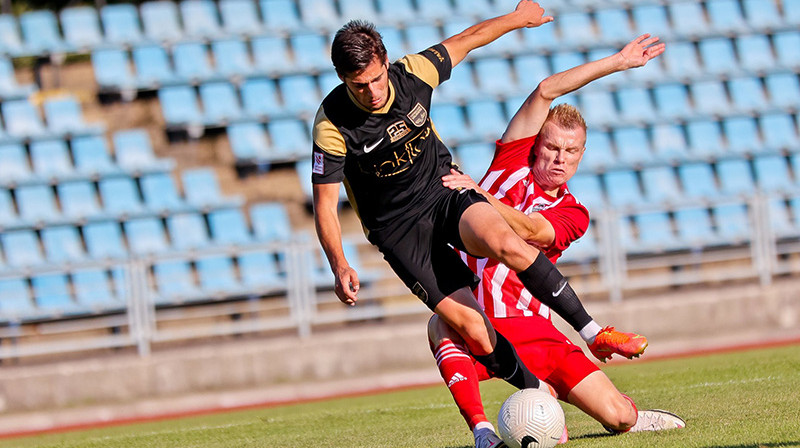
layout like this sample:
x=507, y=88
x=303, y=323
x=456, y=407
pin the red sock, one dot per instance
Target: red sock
x=459, y=374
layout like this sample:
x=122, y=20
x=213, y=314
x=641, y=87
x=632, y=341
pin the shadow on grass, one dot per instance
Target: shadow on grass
x=759, y=445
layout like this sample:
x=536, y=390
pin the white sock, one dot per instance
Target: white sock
x=482, y=425
x=590, y=331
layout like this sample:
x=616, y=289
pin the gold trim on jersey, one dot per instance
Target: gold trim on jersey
x=421, y=67
x=327, y=136
x=383, y=109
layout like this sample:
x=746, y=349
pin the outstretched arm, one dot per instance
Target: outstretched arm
x=531, y=115
x=528, y=14
x=329, y=231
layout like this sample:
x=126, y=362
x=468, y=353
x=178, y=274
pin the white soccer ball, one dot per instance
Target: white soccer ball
x=531, y=418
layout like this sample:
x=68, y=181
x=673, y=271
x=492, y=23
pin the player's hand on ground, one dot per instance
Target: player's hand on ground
x=347, y=285
x=532, y=13
x=456, y=180
x=641, y=50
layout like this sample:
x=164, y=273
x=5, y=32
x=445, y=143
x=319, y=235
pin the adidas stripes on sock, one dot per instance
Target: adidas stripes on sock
x=459, y=374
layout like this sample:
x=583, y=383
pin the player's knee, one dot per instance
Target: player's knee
x=619, y=414
x=438, y=331
x=473, y=328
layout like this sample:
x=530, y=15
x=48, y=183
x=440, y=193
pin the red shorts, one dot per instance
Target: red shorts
x=546, y=352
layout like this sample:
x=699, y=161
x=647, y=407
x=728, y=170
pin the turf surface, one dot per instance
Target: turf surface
x=732, y=400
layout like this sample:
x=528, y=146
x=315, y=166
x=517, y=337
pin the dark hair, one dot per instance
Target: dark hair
x=355, y=46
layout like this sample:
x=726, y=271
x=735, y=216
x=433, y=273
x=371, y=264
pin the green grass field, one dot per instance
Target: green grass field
x=736, y=400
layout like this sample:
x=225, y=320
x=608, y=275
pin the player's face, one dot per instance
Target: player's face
x=370, y=86
x=558, y=152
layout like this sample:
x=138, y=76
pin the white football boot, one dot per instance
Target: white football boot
x=657, y=420
x=487, y=438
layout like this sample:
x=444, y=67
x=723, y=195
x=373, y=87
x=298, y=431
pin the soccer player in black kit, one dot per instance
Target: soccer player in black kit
x=374, y=133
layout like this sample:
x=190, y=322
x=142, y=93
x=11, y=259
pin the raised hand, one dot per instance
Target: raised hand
x=532, y=13
x=641, y=50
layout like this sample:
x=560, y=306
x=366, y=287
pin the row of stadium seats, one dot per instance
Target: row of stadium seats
x=10, y=89
x=63, y=116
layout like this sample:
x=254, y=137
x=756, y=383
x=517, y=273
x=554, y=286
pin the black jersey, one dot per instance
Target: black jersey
x=391, y=160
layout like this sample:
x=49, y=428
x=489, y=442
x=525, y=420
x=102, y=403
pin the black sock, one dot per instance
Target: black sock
x=547, y=285
x=504, y=363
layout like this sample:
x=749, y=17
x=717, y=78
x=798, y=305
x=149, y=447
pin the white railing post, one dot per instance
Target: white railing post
x=300, y=263
x=141, y=311
x=612, y=256
x=762, y=244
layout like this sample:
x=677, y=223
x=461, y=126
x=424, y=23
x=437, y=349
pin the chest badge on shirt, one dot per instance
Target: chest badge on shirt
x=418, y=115
x=397, y=131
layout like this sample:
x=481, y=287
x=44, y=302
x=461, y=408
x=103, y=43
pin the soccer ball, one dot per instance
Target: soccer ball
x=531, y=418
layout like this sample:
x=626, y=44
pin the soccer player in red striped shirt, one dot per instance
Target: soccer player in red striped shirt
x=526, y=181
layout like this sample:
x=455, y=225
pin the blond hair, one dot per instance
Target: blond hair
x=566, y=116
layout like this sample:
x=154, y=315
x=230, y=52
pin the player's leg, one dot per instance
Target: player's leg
x=597, y=396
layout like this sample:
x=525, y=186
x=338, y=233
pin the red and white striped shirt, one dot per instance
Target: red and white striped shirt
x=510, y=180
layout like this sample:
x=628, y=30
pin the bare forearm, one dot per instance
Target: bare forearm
x=329, y=232
x=573, y=79
x=527, y=227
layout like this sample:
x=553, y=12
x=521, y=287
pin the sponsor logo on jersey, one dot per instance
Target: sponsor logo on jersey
x=319, y=163
x=402, y=158
x=397, y=131
x=437, y=54
x=418, y=115
x=372, y=146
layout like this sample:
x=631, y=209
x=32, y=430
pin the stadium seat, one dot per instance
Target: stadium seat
x=104, y=240
x=599, y=153
x=651, y=18
x=669, y=143
x=22, y=119
x=755, y=52
x=201, y=187
x=440, y=10
x=732, y=222
x=762, y=14
x=598, y=108
x=258, y=270
x=249, y=142
x=709, y=97
x=622, y=189
x=357, y=9
x=62, y=244
x=319, y=14
x=21, y=248
x=726, y=16
x=780, y=219
x=583, y=249
x=260, y=98
x=735, y=177
x=328, y=81
x=475, y=9
x=461, y=85
x=160, y=21
x=393, y=41
x=530, y=70
x=779, y=132
x=187, y=231
x=220, y=103
x=41, y=34
x=10, y=40
x=231, y=58
x=78, y=200
x=200, y=19
x=228, y=227
x=120, y=196
x=783, y=90
x=576, y=29
x=240, y=17
x=37, y=203
x=145, y=236
x=661, y=185
x=486, y=119
x=655, y=232
x=694, y=227
x=111, y=70
x=791, y=12
x=81, y=27
x=92, y=289
x=494, y=76
x=51, y=293
x=697, y=180
x=772, y=173
x=64, y=116
x=9, y=87
x=216, y=274
x=175, y=281
x=635, y=104
x=121, y=23
x=474, y=158
x=7, y=214
x=688, y=18
x=179, y=106
x=270, y=222
x=672, y=101
x=615, y=26
x=290, y=138
x=540, y=39
x=13, y=163
x=450, y=122
x=311, y=52
x=191, y=62
x=280, y=14
x=92, y=157
x=718, y=56
x=303, y=169
x=160, y=193
x=633, y=146
x=681, y=60
x=15, y=299
x=787, y=48
x=134, y=151
x=705, y=139
x=747, y=94
x=394, y=11
x=612, y=80
x=741, y=134
x=271, y=55
x=300, y=94
x=153, y=68
x=565, y=60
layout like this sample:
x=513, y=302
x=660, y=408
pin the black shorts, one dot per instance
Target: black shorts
x=418, y=247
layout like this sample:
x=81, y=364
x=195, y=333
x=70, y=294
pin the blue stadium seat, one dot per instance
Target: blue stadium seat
x=153, y=68
x=599, y=153
x=762, y=14
x=393, y=41
x=179, y=106
x=191, y=62
x=598, y=108
x=635, y=104
x=260, y=98
x=220, y=103
x=705, y=139
x=530, y=70
x=787, y=47
x=486, y=119
x=216, y=274
x=240, y=17
x=50, y=158
x=441, y=10
x=394, y=11
x=474, y=158
x=697, y=179
x=780, y=219
x=584, y=249
x=474, y=9
x=22, y=119
x=187, y=231
x=661, y=185
x=688, y=18
x=319, y=14
x=612, y=80
x=175, y=281
x=565, y=60
x=51, y=293
x=201, y=187
x=64, y=116
x=270, y=222
x=15, y=299
x=747, y=94
x=9, y=87
x=694, y=227
x=92, y=157
x=726, y=16
x=134, y=152
x=576, y=29
x=311, y=52
x=622, y=189
x=13, y=163
x=718, y=56
x=228, y=227
x=672, y=101
x=104, y=240
x=290, y=138
x=280, y=14
x=651, y=18
x=40, y=31
x=783, y=90
x=655, y=231
x=633, y=146
x=111, y=70
x=778, y=131
x=37, y=203
x=62, y=244
x=10, y=40
x=772, y=173
x=78, y=199
x=121, y=23
x=732, y=222
x=755, y=52
x=540, y=39
x=742, y=135
x=231, y=58
x=450, y=122
x=200, y=19
x=460, y=86
x=615, y=26
x=709, y=97
x=791, y=12
x=7, y=214
x=681, y=60
x=160, y=21
x=328, y=81
x=271, y=54
x=300, y=94
x=494, y=76
x=357, y=9
x=258, y=270
x=92, y=289
x=145, y=236
x=81, y=27
x=21, y=248
x=120, y=196
x=669, y=143
x=303, y=169
x=735, y=177
x=249, y=142
x=160, y=193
